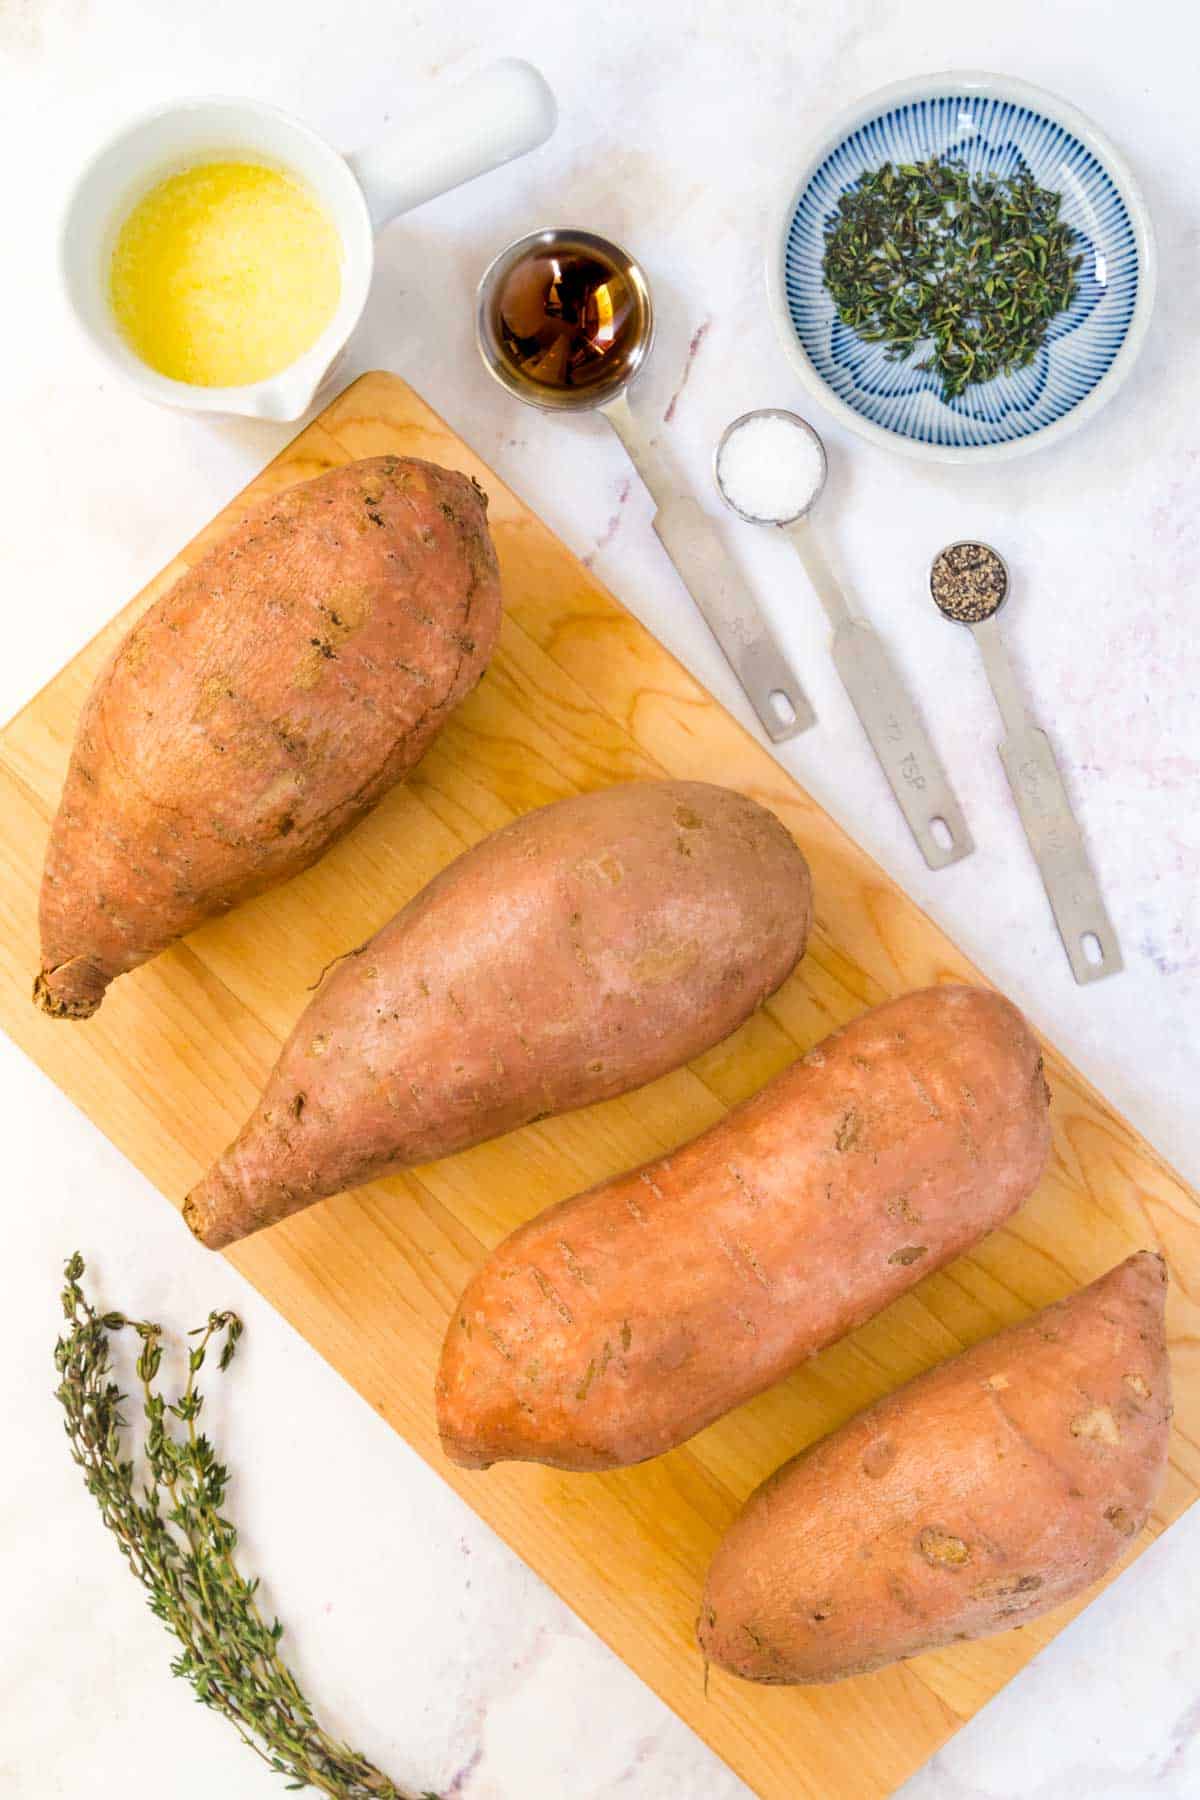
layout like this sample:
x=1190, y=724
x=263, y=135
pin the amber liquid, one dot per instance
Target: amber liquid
x=568, y=318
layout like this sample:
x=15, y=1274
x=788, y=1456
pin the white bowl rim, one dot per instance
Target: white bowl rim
x=306, y=369
x=1024, y=93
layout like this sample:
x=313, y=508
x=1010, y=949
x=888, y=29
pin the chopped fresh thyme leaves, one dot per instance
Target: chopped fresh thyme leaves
x=977, y=266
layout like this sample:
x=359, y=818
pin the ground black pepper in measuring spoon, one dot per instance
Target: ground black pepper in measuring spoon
x=969, y=582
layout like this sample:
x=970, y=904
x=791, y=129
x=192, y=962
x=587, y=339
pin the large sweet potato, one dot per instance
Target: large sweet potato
x=980, y=1495
x=579, y=952
x=622, y=1321
x=260, y=708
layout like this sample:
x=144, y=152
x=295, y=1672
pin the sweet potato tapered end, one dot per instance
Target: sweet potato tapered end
x=73, y=990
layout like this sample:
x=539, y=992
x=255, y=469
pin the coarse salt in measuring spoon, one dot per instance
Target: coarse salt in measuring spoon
x=770, y=467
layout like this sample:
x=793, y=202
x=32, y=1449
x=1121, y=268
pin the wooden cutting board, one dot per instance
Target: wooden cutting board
x=579, y=695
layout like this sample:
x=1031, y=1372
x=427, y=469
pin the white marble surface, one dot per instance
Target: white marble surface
x=423, y=1638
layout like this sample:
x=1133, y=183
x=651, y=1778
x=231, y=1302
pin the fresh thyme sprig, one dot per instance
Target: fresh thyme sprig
x=976, y=266
x=180, y=1546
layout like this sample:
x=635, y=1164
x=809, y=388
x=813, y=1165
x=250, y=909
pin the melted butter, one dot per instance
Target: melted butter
x=225, y=273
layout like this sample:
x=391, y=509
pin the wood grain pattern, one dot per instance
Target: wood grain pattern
x=580, y=695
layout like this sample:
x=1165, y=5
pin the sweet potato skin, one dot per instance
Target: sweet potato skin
x=577, y=953
x=260, y=708
x=982, y=1494
x=624, y=1320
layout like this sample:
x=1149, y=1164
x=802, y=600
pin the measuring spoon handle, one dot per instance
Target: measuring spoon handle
x=1049, y=823
x=726, y=604
x=889, y=717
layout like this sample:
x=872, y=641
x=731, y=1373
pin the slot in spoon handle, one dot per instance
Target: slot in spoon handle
x=889, y=717
x=1049, y=823
x=728, y=608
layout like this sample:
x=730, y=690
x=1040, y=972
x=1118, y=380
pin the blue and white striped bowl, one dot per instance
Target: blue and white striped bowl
x=990, y=122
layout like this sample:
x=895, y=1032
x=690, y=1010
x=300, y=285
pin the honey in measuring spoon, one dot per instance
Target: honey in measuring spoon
x=568, y=318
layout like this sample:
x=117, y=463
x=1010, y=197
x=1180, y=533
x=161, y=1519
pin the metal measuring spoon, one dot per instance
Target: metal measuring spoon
x=876, y=689
x=686, y=532
x=969, y=584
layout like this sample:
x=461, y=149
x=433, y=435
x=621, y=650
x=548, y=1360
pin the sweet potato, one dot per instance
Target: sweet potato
x=581, y=951
x=260, y=708
x=624, y=1320
x=984, y=1493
